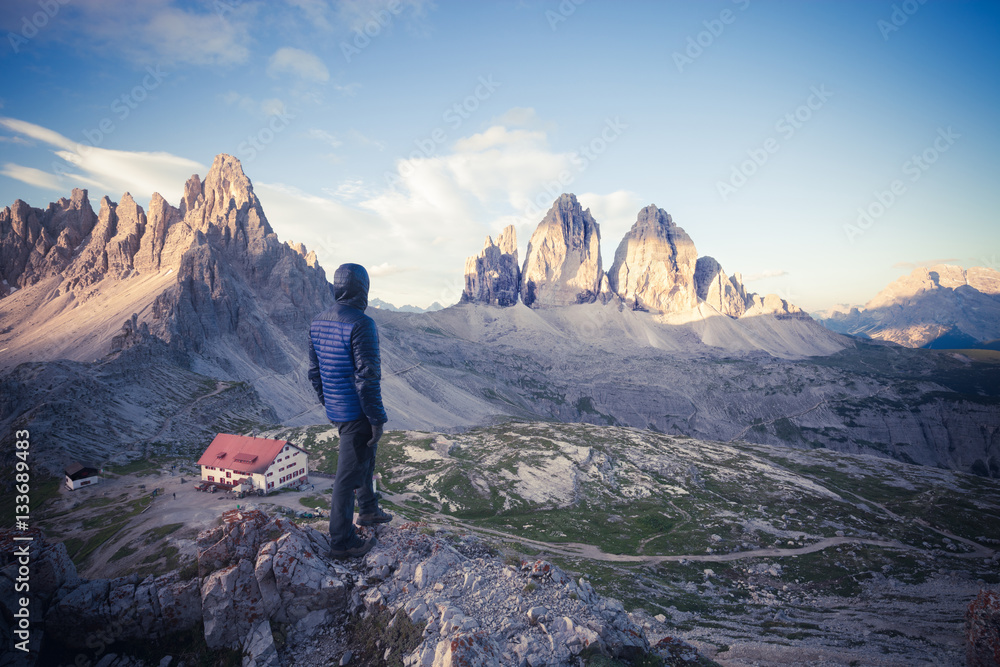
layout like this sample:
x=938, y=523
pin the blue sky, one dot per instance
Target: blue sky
x=399, y=133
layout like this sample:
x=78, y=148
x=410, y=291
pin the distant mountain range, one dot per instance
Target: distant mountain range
x=375, y=302
x=129, y=332
x=943, y=307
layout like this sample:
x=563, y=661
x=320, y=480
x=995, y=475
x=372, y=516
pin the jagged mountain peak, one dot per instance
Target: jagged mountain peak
x=654, y=264
x=563, y=263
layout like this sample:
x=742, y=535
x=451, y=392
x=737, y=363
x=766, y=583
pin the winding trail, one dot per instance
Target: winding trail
x=592, y=552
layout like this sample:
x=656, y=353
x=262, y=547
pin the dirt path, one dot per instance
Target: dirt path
x=592, y=552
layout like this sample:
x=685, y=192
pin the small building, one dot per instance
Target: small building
x=79, y=475
x=260, y=463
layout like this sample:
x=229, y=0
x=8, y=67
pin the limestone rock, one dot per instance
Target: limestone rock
x=655, y=265
x=231, y=604
x=467, y=649
x=37, y=244
x=982, y=630
x=493, y=276
x=158, y=221
x=772, y=304
x=563, y=262
x=726, y=294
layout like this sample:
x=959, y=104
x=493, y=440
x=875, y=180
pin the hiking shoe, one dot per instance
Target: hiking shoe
x=378, y=516
x=354, y=552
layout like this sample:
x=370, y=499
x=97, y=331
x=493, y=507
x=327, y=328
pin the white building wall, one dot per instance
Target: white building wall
x=73, y=484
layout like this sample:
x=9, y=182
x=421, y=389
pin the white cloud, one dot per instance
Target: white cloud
x=349, y=90
x=359, y=14
x=112, y=172
x=21, y=141
x=350, y=190
x=324, y=136
x=299, y=63
x=317, y=12
x=365, y=140
x=385, y=269
x=31, y=176
x=273, y=107
x=768, y=273
x=156, y=32
x=615, y=213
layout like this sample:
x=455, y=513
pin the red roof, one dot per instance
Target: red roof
x=241, y=453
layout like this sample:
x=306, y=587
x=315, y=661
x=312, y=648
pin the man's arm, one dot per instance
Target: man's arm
x=314, y=377
x=368, y=370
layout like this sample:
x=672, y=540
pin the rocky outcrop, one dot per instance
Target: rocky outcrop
x=563, y=262
x=655, y=264
x=944, y=306
x=493, y=276
x=257, y=570
x=724, y=293
x=982, y=630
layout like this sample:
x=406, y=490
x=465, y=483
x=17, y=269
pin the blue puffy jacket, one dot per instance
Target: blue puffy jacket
x=344, y=364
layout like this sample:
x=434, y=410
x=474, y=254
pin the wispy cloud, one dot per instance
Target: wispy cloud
x=615, y=213
x=111, y=171
x=298, y=63
x=158, y=31
x=325, y=137
x=32, y=176
x=769, y=273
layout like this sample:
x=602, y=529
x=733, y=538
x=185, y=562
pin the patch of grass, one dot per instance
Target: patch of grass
x=160, y=532
x=315, y=502
x=99, y=538
x=124, y=551
x=371, y=637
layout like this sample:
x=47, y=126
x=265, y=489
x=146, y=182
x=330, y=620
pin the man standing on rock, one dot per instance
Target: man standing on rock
x=344, y=368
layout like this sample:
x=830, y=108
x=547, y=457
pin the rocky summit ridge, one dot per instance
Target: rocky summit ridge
x=656, y=268
x=209, y=278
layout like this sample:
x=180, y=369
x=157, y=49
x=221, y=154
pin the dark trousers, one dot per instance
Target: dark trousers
x=355, y=467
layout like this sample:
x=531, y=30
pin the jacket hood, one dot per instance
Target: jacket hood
x=350, y=285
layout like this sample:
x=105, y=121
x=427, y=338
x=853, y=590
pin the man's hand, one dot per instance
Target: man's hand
x=376, y=435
